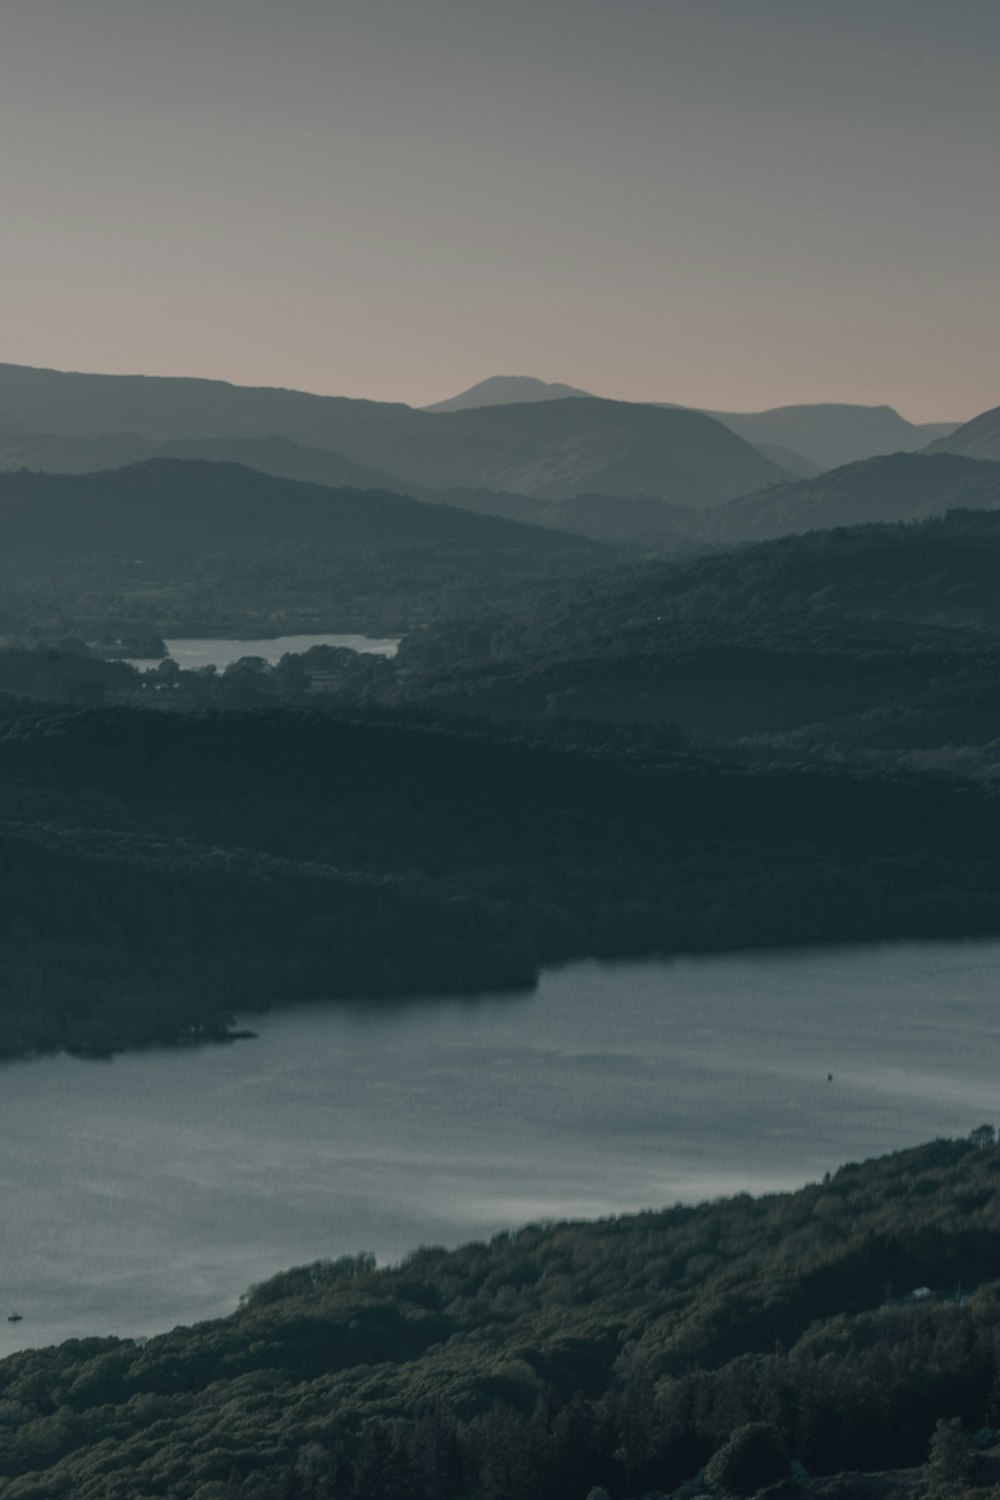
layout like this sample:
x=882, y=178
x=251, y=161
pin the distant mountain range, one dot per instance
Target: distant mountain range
x=829, y=435
x=800, y=439
x=979, y=438
x=552, y=450
x=893, y=487
x=654, y=476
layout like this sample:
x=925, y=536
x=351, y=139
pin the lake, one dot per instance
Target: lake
x=189, y=654
x=153, y=1188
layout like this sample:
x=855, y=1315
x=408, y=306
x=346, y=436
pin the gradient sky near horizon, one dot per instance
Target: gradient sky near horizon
x=726, y=203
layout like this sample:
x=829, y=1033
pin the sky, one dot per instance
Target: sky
x=724, y=203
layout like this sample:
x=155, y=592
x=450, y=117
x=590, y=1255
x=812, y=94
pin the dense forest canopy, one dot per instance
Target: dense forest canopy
x=629, y=1356
x=163, y=869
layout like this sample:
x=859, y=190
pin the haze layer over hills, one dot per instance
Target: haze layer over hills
x=799, y=438
x=896, y=487
x=552, y=449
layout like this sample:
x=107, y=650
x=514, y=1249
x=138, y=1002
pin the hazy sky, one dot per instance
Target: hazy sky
x=731, y=203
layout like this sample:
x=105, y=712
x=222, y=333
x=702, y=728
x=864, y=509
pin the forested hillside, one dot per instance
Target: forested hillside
x=876, y=641
x=221, y=549
x=162, y=870
x=563, y=1361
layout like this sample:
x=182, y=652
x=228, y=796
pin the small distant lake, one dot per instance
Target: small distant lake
x=153, y=1188
x=189, y=654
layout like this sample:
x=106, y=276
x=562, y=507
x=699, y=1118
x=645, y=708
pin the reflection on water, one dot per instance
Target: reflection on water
x=189, y=654
x=153, y=1188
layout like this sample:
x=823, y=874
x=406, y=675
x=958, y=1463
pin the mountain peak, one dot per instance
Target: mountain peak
x=507, y=390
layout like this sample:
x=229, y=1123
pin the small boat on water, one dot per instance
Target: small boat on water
x=14, y=1318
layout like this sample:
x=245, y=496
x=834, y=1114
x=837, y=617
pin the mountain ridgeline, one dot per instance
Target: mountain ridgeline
x=979, y=438
x=898, y=487
x=803, y=439
x=551, y=449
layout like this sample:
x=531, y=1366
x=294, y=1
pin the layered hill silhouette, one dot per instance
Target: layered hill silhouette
x=879, y=641
x=167, y=507
x=939, y=572
x=551, y=449
x=832, y=434
x=894, y=487
x=898, y=487
x=979, y=438
x=196, y=541
x=801, y=439
x=616, y=519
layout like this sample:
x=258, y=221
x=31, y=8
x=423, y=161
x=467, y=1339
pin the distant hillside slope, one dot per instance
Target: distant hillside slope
x=832, y=434
x=785, y=458
x=979, y=438
x=801, y=439
x=619, y=519
x=502, y=390
x=166, y=507
x=52, y=454
x=215, y=548
x=557, y=449
x=879, y=640
x=942, y=571
x=554, y=449
x=283, y=459
x=47, y=453
x=899, y=487
x=936, y=573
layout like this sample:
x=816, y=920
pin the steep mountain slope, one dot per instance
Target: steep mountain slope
x=899, y=487
x=934, y=430
x=553, y=448
x=502, y=390
x=979, y=438
x=562, y=448
x=795, y=463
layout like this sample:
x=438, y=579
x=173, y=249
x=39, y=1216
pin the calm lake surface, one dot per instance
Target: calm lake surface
x=153, y=1188
x=189, y=654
